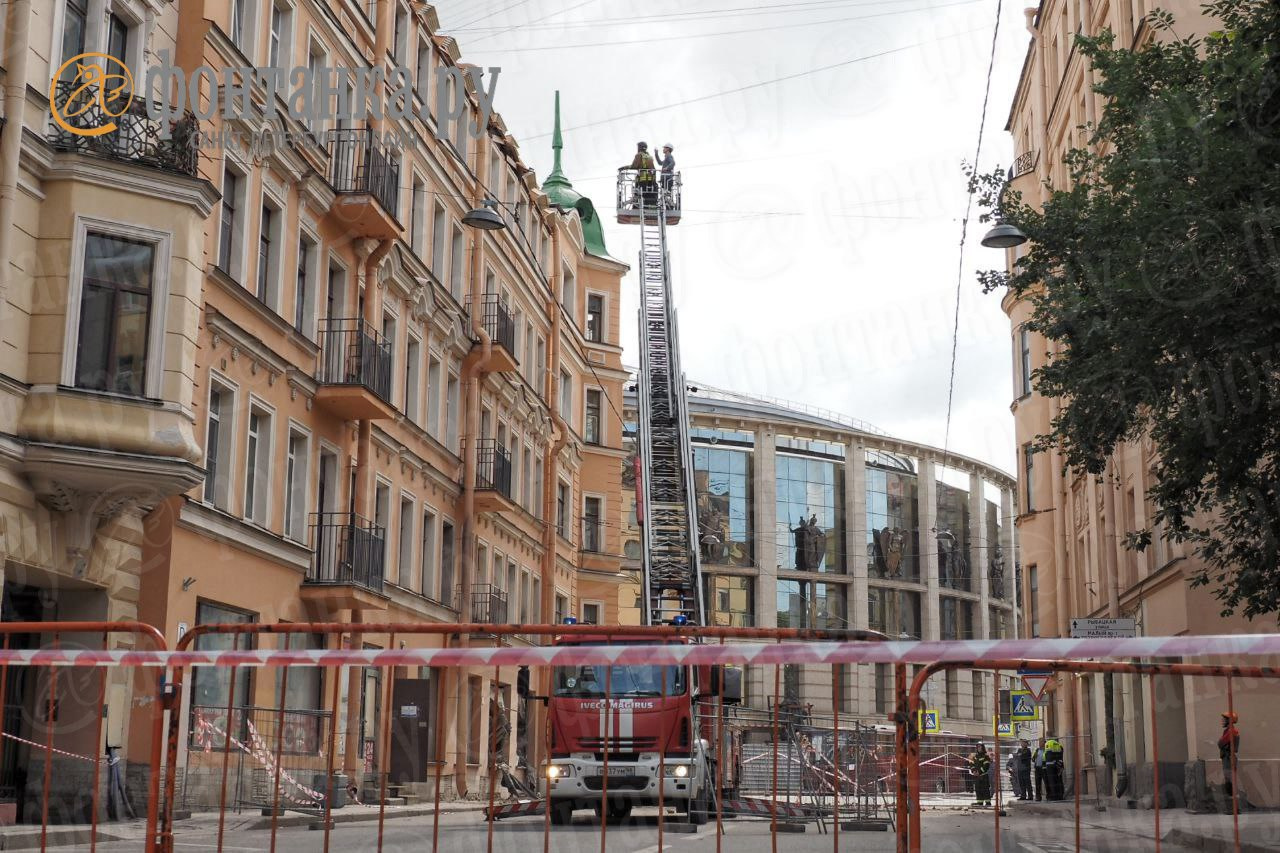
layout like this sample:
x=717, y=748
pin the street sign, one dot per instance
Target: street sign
x=1103, y=629
x=1003, y=728
x=1036, y=681
x=1024, y=708
x=930, y=722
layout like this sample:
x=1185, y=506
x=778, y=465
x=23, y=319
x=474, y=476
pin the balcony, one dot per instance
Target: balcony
x=493, y=477
x=366, y=179
x=355, y=371
x=501, y=328
x=157, y=143
x=348, y=560
x=1024, y=164
x=488, y=605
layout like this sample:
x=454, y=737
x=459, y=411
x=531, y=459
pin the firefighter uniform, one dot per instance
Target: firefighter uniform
x=1053, y=766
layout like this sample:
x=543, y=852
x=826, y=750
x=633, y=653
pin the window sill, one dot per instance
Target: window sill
x=114, y=396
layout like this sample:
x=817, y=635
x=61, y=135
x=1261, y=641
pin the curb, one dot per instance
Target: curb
x=1213, y=843
x=55, y=838
x=363, y=815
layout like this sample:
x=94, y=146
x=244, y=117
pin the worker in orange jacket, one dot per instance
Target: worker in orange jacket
x=1229, y=748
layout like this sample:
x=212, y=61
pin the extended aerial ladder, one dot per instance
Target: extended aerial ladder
x=665, y=491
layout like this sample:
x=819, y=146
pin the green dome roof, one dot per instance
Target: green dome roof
x=562, y=194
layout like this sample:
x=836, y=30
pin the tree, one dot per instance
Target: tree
x=1157, y=274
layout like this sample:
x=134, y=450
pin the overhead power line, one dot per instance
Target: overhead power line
x=773, y=28
x=760, y=85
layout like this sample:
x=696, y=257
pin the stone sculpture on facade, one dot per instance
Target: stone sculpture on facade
x=811, y=545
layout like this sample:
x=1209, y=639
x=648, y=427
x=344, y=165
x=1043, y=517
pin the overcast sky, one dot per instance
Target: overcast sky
x=818, y=253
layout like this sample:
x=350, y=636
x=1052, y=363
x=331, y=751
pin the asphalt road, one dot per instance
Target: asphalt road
x=944, y=832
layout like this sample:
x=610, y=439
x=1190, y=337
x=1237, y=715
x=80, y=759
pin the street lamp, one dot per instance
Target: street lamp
x=1001, y=236
x=484, y=217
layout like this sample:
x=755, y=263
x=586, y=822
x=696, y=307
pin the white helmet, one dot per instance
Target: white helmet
x=667, y=147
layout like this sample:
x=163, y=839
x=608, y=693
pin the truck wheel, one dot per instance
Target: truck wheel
x=700, y=806
x=561, y=814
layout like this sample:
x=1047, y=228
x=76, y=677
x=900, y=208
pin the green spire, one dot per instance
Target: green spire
x=557, y=186
x=562, y=194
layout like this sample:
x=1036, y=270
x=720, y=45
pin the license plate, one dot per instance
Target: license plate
x=619, y=770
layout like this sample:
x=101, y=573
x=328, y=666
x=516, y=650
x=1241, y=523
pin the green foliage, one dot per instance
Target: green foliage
x=1157, y=275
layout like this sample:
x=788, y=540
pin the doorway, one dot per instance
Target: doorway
x=413, y=707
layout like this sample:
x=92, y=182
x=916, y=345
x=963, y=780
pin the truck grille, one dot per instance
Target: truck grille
x=621, y=744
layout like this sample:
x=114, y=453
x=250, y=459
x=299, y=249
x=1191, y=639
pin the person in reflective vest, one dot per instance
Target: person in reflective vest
x=980, y=769
x=1053, y=769
x=646, y=178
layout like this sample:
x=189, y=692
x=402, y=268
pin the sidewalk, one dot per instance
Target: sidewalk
x=1259, y=831
x=27, y=837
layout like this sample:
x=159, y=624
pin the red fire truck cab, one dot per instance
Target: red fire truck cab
x=657, y=725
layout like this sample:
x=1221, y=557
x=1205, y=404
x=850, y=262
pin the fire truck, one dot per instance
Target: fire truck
x=629, y=735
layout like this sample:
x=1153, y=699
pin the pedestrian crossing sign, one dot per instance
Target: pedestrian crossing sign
x=1023, y=706
x=930, y=721
x=1004, y=728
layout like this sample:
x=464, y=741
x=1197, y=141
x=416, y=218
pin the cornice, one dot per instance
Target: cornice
x=229, y=530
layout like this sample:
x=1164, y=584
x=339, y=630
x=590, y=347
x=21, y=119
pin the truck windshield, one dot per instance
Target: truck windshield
x=624, y=681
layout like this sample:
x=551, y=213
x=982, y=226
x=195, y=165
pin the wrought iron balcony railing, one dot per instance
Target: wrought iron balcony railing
x=159, y=143
x=348, y=549
x=357, y=164
x=488, y=604
x=493, y=467
x=497, y=321
x=352, y=352
x=1025, y=162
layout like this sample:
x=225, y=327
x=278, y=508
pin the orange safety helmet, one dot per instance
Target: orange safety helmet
x=1231, y=716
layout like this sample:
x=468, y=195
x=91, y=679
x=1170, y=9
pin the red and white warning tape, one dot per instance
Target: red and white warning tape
x=55, y=750
x=260, y=752
x=1234, y=645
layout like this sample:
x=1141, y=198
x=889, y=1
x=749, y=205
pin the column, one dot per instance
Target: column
x=861, y=687
x=928, y=495
x=764, y=512
x=981, y=552
x=1012, y=572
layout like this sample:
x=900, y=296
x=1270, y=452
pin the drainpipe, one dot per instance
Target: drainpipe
x=17, y=32
x=1113, y=700
x=559, y=438
x=473, y=373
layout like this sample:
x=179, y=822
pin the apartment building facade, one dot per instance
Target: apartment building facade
x=914, y=543
x=280, y=377
x=1071, y=528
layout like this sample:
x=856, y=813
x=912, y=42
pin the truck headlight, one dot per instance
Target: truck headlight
x=680, y=771
x=559, y=771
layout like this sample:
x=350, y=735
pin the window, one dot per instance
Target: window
x=304, y=309
x=118, y=38
x=722, y=483
x=446, y=562
x=1033, y=600
x=895, y=612
x=562, y=509
x=217, y=446
x=803, y=604
x=536, y=508
x=212, y=688
x=952, y=540
x=566, y=397
x=539, y=377
x=595, y=318
x=592, y=613
x=591, y=433
x=592, y=530
x=418, y=216
x=400, y=37
x=279, y=51
x=979, y=691
x=422, y=79
x=439, y=230
x=1029, y=477
x=884, y=688
x=562, y=608
x=1024, y=360
x=526, y=479
x=75, y=25
x=451, y=414
x=115, y=314
x=457, y=263
x=407, y=512
x=301, y=690
x=382, y=512
x=568, y=295
x=389, y=340
x=430, y=557
x=730, y=601
x=257, y=466
x=239, y=22
x=810, y=495
x=893, y=526
x=952, y=683
x=295, y=486
x=433, y=397
x=412, y=380
x=268, y=262
x=229, y=224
